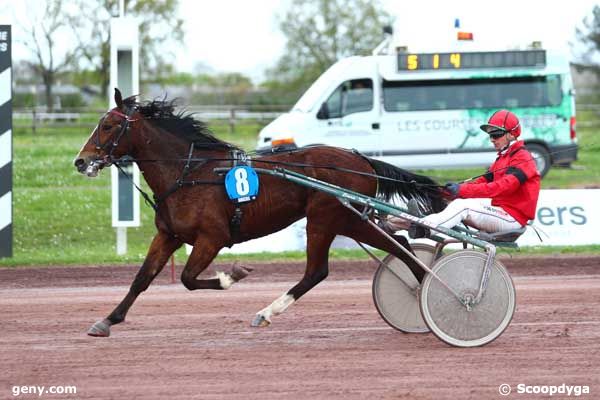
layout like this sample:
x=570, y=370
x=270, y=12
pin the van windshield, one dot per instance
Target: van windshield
x=464, y=94
x=349, y=98
x=307, y=102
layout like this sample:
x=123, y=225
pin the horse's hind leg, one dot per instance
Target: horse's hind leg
x=317, y=268
x=159, y=252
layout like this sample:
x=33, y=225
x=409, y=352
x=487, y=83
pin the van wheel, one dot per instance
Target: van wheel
x=541, y=156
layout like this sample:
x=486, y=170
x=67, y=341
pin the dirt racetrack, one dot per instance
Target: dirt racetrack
x=332, y=344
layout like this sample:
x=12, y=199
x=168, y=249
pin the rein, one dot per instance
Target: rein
x=284, y=163
x=181, y=182
x=304, y=165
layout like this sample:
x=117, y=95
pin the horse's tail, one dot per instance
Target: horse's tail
x=408, y=186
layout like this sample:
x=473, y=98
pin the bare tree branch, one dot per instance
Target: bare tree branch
x=159, y=25
x=40, y=39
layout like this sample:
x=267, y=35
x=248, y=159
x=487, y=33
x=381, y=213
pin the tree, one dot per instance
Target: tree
x=41, y=38
x=589, y=36
x=159, y=25
x=320, y=32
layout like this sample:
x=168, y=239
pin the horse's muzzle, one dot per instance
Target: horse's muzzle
x=80, y=165
x=90, y=169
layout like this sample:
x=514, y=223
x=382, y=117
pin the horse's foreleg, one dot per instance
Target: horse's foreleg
x=317, y=269
x=160, y=250
x=205, y=250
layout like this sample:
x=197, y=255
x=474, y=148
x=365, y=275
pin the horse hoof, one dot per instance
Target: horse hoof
x=260, y=321
x=238, y=273
x=99, y=329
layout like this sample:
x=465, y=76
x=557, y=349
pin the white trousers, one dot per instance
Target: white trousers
x=477, y=213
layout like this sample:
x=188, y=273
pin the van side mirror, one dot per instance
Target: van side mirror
x=323, y=112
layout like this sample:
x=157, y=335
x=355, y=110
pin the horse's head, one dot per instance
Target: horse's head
x=108, y=140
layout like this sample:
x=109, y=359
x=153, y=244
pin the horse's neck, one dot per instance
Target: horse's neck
x=159, y=156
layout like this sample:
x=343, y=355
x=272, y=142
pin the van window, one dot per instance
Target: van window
x=350, y=97
x=464, y=94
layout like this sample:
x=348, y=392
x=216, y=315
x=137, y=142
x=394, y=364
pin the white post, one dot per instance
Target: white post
x=125, y=203
x=124, y=74
x=121, y=240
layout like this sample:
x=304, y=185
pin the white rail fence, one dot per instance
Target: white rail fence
x=217, y=114
x=225, y=115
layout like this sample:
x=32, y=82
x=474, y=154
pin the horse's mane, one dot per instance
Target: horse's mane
x=161, y=113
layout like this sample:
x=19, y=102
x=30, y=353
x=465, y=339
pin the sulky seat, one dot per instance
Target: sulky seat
x=501, y=237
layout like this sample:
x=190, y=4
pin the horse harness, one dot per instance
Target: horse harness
x=238, y=157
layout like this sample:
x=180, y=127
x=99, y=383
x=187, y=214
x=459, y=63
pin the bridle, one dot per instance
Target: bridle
x=113, y=142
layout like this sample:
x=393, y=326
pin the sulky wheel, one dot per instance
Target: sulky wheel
x=448, y=318
x=395, y=291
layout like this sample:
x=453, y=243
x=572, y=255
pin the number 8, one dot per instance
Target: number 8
x=241, y=182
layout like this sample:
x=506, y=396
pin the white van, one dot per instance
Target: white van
x=423, y=110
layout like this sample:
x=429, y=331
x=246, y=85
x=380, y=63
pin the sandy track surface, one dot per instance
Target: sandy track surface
x=177, y=344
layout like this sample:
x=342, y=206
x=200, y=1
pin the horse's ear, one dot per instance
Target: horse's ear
x=130, y=101
x=118, y=99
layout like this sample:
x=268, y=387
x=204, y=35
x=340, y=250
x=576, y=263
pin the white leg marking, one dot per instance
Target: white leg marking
x=225, y=279
x=277, y=307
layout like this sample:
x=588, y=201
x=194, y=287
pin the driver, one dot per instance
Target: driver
x=505, y=198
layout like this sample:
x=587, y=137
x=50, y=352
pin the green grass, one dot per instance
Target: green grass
x=63, y=218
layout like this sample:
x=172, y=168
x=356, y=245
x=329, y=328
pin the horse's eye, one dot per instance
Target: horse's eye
x=106, y=127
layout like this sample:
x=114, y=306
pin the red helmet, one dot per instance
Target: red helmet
x=503, y=121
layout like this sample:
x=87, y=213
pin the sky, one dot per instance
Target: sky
x=244, y=36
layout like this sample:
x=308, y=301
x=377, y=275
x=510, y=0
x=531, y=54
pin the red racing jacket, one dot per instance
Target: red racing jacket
x=512, y=182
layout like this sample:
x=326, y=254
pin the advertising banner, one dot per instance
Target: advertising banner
x=566, y=217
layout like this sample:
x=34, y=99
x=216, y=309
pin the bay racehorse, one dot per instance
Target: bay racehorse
x=177, y=155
